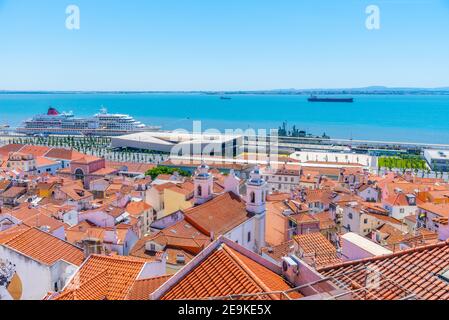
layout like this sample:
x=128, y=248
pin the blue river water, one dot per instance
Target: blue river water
x=412, y=118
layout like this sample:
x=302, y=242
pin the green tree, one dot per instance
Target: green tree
x=153, y=173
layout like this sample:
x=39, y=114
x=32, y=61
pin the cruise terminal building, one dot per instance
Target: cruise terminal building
x=182, y=144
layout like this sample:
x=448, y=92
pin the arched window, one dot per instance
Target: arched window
x=253, y=197
x=79, y=174
x=200, y=191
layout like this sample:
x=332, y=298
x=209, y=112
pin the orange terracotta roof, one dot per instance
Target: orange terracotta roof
x=84, y=230
x=182, y=235
x=46, y=185
x=185, y=188
x=439, y=209
x=63, y=154
x=219, y=215
x=40, y=246
x=131, y=166
x=411, y=218
x=4, y=184
x=164, y=177
x=316, y=247
x=399, y=199
x=137, y=208
x=326, y=221
x=319, y=195
x=373, y=207
x=411, y=271
x=385, y=218
x=279, y=251
x=41, y=162
x=161, y=187
x=76, y=193
x=407, y=187
x=227, y=272
x=96, y=288
x=139, y=251
x=37, y=151
x=41, y=220
x=103, y=277
x=181, y=238
x=142, y=289
x=391, y=236
x=304, y=218
x=7, y=149
x=278, y=196
x=420, y=237
x=104, y=171
x=24, y=211
x=86, y=159
x=14, y=192
x=438, y=195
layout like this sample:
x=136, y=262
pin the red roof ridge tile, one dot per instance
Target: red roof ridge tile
x=117, y=257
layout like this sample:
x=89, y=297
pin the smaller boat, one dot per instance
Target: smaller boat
x=317, y=99
x=225, y=98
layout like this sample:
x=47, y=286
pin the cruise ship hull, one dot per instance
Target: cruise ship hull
x=83, y=132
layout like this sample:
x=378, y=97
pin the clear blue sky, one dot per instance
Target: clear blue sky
x=222, y=44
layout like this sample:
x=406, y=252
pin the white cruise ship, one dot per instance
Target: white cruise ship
x=101, y=124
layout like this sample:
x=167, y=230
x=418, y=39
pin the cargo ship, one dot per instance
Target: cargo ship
x=101, y=124
x=317, y=99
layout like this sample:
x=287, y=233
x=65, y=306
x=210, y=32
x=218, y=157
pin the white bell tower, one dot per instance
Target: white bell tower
x=203, y=182
x=256, y=194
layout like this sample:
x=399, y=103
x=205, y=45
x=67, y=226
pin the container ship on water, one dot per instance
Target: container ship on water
x=317, y=99
x=101, y=124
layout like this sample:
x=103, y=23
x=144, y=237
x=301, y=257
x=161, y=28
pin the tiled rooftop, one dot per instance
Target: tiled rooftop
x=40, y=246
x=218, y=215
x=224, y=272
x=142, y=289
x=317, y=249
x=103, y=277
x=279, y=251
x=404, y=273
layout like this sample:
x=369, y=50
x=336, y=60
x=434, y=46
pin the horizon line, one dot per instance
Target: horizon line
x=279, y=90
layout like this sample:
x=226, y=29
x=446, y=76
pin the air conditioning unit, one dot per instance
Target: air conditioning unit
x=290, y=269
